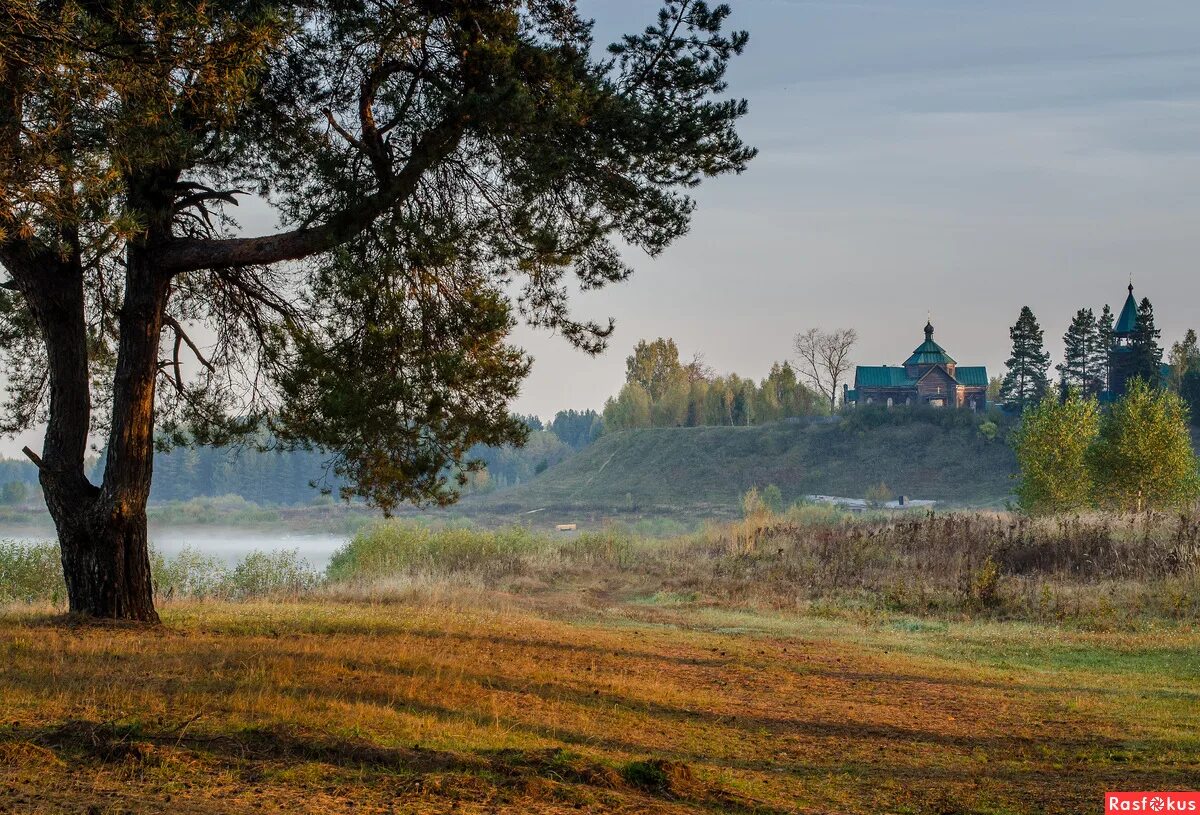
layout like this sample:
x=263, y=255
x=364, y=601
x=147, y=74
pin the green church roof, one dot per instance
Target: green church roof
x=972, y=377
x=894, y=376
x=882, y=376
x=1127, y=322
x=929, y=352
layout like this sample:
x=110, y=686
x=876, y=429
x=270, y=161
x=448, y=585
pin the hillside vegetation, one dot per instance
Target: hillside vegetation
x=918, y=454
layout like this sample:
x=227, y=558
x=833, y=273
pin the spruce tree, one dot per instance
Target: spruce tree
x=1025, y=382
x=1095, y=367
x=1104, y=330
x=1189, y=392
x=1185, y=373
x=1146, y=354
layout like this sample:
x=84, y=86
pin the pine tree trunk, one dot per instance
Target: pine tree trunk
x=107, y=569
x=101, y=530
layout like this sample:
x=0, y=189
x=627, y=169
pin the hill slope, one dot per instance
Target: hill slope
x=707, y=468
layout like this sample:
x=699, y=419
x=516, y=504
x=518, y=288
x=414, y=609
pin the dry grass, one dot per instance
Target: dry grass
x=1095, y=570
x=936, y=665
x=478, y=702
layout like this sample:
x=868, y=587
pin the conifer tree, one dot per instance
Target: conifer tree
x=1104, y=331
x=1025, y=382
x=1079, y=350
x=1146, y=354
x=439, y=169
x=1095, y=368
x=1185, y=373
x=1189, y=391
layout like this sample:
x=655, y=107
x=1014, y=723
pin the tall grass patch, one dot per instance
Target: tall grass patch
x=30, y=573
x=397, y=548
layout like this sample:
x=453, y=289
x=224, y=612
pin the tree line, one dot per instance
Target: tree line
x=289, y=477
x=661, y=390
x=1085, y=367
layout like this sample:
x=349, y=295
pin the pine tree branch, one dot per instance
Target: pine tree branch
x=192, y=254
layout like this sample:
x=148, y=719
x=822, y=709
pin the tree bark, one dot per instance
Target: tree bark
x=101, y=530
x=106, y=561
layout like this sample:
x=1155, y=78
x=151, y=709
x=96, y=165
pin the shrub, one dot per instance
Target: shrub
x=188, y=574
x=262, y=574
x=753, y=505
x=879, y=495
x=772, y=499
x=870, y=417
x=613, y=546
x=983, y=591
x=31, y=573
x=224, y=509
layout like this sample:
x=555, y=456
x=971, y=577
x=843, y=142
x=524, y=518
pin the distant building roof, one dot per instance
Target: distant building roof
x=882, y=376
x=929, y=356
x=929, y=352
x=1127, y=322
x=975, y=376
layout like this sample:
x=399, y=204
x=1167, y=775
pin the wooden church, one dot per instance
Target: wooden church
x=929, y=377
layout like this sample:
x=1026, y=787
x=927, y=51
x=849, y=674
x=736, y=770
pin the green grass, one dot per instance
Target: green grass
x=698, y=469
x=387, y=549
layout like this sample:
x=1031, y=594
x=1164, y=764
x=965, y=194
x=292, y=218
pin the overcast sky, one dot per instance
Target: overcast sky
x=961, y=157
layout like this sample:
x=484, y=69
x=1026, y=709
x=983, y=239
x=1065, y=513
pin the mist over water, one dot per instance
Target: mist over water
x=230, y=544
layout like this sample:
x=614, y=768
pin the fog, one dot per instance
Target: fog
x=230, y=544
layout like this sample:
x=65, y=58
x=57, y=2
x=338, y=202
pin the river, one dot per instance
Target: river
x=229, y=543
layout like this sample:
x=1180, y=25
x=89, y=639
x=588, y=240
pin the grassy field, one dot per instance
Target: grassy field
x=803, y=663
x=797, y=663
x=706, y=469
x=477, y=702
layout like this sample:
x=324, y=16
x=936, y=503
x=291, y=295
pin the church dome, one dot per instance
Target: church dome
x=929, y=352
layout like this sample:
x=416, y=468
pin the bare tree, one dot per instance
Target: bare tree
x=824, y=359
x=698, y=370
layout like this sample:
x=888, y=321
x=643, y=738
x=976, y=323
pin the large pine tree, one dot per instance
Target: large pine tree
x=440, y=168
x=1080, y=344
x=1025, y=383
x=1146, y=354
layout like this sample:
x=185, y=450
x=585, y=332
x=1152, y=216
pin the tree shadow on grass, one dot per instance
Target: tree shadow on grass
x=513, y=772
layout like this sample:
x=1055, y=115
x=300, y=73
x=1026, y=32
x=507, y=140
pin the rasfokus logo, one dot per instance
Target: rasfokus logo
x=1151, y=802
